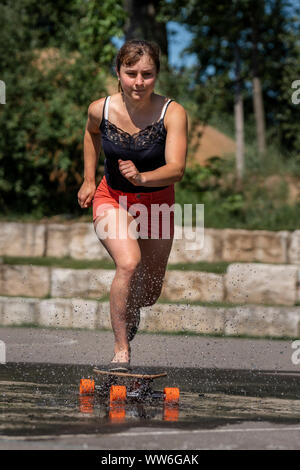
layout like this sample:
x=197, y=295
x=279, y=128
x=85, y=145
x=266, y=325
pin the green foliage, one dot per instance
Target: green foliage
x=288, y=115
x=267, y=34
x=100, y=21
x=48, y=91
x=41, y=152
x=257, y=206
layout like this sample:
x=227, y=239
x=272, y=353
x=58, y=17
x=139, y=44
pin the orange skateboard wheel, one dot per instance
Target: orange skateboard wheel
x=117, y=393
x=117, y=413
x=171, y=412
x=86, y=404
x=171, y=394
x=87, y=386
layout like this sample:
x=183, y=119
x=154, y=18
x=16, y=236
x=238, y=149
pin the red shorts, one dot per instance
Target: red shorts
x=153, y=211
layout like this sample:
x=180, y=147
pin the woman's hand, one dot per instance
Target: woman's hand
x=86, y=194
x=128, y=170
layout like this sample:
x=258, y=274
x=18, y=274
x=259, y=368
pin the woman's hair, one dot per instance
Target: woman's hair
x=131, y=52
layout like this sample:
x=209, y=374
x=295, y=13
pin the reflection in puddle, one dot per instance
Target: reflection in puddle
x=44, y=399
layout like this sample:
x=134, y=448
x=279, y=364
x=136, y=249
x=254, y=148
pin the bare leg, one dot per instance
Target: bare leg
x=147, y=281
x=126, y=254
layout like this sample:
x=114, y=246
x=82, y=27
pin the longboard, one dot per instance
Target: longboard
x=129, y=374
x=138, y=386
x=124, y=388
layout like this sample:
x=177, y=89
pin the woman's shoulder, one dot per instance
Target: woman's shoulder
x=95, y=110
x=175, y=111
x=173, y=104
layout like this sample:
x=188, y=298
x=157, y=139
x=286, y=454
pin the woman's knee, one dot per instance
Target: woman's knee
x=129, y=265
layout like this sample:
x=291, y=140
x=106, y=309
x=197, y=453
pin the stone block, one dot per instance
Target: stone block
x=58, y=240
x=261, y=283
x=22, y=239
x=207, y=248
x=84, y=243
x=19, y=280
x=84, y=313
x=56, y=313
x=18, y=311
x=193, y=286
x=87, y=283
x=172, y=318
x=294, y=248
x=262, y=321
x=254, y=245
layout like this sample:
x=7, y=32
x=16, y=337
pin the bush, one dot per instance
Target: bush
x=42, y=125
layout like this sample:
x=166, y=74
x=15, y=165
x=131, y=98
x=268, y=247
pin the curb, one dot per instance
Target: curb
x=249, y=320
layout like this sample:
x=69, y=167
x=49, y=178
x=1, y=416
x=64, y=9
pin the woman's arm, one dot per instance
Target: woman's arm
x=92, y=141
x=175, y=153
x=176, y=124
x=91, y=150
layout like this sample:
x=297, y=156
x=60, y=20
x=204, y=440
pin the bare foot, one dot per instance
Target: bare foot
x=122, y=356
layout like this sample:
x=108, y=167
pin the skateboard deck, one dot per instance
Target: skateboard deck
x=129, y=374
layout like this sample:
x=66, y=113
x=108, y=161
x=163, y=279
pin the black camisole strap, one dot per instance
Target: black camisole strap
x=106, y=105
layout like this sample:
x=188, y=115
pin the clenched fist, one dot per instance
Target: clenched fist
x=129, y=171
x=86, y=194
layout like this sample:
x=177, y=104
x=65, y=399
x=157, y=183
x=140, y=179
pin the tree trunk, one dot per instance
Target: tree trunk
x=259, y=115
x=258, y=103
x=239, y=120
x=141, y=23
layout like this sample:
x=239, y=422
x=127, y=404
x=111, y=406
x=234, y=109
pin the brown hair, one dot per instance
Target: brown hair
x=131, y=52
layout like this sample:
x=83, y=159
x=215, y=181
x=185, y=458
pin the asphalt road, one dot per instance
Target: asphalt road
x=236, y=393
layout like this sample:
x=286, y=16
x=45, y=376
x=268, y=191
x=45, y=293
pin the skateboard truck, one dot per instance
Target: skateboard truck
x=138, y=386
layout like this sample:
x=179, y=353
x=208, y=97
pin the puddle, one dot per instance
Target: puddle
x=43, y=399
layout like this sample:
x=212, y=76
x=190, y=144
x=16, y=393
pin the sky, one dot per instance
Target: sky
x=177, y=43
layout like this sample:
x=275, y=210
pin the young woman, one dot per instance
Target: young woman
x=144, y=139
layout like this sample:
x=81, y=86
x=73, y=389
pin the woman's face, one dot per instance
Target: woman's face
x=138, y=80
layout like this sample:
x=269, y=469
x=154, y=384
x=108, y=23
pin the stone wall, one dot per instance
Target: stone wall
x=262, y=279
x=251, y=320
x=79, y=241
x=243, y=283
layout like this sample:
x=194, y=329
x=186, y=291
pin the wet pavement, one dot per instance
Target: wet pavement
x=219, y=408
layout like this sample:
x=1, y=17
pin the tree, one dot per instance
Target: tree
x=218, y=44
x=256, y=13
x=99, y=22
x=143, y=23
x=239, y=119
x=50, y=83
x=261, y=30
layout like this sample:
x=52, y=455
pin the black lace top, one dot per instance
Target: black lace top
x=146, y=149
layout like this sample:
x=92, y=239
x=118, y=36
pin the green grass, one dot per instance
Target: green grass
x=163, y=300
x=185, y=333
x=219, y=267
x=67, y=263
x=191, y=303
